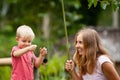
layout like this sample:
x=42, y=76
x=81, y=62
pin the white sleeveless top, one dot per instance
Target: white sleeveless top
x=98, y=74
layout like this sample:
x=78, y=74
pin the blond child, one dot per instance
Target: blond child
x=23, y=57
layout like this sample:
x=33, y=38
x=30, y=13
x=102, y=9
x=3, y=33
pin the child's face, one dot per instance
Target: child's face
x=23, y=42
x=79, y=44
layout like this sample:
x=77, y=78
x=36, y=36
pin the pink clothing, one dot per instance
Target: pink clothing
x=22, y=67
x=98, y=74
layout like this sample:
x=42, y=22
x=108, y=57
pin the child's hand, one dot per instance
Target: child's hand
x=43, y=51
x=32, y=47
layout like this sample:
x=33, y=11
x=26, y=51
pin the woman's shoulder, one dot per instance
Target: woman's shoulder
x=104, y=58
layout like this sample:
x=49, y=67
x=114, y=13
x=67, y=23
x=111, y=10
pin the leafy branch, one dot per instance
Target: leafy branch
x=115, y=4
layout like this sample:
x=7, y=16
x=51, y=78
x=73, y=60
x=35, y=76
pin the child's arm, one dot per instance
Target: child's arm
x=39, y=61
x=22, y=51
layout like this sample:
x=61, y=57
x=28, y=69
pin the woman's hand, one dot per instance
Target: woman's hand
x=69, y=66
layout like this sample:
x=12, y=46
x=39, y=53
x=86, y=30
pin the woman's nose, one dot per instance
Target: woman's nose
x=77, y=45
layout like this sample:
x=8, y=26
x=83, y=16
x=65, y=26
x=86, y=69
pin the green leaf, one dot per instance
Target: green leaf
x=95, y=3
x=104, y=4
x=90, y=3
x=115, y=5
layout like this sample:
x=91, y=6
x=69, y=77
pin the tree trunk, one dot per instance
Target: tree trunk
x=115, y=19
x=46, y=29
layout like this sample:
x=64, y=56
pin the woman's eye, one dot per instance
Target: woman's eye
x=80, y=42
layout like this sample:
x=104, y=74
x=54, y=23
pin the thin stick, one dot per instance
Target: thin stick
x=64, y=18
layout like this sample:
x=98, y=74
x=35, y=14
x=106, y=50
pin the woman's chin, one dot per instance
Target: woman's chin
x=80, y=53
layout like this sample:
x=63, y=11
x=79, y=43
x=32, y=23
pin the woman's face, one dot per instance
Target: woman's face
x=79, y=44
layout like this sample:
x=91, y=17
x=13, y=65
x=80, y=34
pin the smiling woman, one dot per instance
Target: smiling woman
x=91, y=58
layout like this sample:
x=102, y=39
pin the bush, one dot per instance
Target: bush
x=54, y=69
x=5, y=73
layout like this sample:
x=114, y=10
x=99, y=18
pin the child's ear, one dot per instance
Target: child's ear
x=17, y=38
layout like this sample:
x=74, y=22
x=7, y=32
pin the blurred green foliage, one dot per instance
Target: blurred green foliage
x=5, y=72
x=79, y=13
x=54, y=69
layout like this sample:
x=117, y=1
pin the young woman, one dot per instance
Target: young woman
x=91, y=58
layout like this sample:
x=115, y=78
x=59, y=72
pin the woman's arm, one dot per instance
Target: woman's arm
x=71, y=68
x=109, y=71
x=76, y=76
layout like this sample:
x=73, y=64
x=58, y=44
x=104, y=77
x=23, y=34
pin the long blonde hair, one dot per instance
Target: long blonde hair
x=92, y=49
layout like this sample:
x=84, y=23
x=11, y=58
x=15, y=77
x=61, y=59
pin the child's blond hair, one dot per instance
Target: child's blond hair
x=25, y=31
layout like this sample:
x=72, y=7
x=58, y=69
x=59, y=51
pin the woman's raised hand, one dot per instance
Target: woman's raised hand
x=69, y=66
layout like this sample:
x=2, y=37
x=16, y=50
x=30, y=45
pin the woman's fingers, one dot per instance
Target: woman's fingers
x=68, y=65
